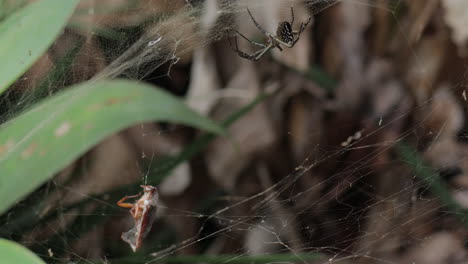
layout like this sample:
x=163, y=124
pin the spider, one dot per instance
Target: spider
x=285, y=36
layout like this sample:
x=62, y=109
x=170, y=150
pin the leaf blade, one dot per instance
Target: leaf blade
x=26, y=35
x=52, y=134
x=11, y=252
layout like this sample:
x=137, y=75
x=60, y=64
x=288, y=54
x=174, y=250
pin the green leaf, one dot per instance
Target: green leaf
x=427, y=174
x=11, y=252
x=26, y=35
x=40, y=142
x=323, y=79
x=317, y=74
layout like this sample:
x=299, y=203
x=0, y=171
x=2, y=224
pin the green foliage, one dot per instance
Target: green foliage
x=425, y=173
x=26, y=35
x=56, y=131
x=11, y=252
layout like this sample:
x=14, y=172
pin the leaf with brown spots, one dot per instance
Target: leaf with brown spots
x=49, y=125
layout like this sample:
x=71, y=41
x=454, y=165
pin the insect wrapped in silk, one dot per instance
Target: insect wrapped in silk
x=143, y=212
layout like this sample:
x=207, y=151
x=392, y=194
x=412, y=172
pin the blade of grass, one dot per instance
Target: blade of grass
x=316, y=74
x=51, y=82
x=323, y=79
x=424, y=172
x=43, y=140
x=26, y=34
x=11, y=252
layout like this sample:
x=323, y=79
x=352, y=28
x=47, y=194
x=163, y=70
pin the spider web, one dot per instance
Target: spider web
x=307, y=171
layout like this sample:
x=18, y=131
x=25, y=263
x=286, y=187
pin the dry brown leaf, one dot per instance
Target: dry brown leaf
x=442, y=119
x=386, y=91
x=253, y=133
x=441, y=247
x=205, y=82
x=456, y=17
x=421, y=13
x=304, y=127
x=344, y=49
x=424, y=65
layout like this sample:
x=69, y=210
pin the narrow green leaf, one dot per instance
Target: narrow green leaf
x=11, y=252
x=43, y=140
x=317, y=74
x=424, y=172
x=323, y=79
x=26, y=35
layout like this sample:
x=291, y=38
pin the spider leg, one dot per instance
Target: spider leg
x=292, y=16
x=301, y=29
x=279, y=41
x=256, y=24
x=257, y=55
x=251, y=41
x=304, y=25
x=252, y=57
x=234, y=48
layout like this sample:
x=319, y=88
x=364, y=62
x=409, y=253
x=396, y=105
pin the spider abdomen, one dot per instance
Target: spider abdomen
x=284, y=32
